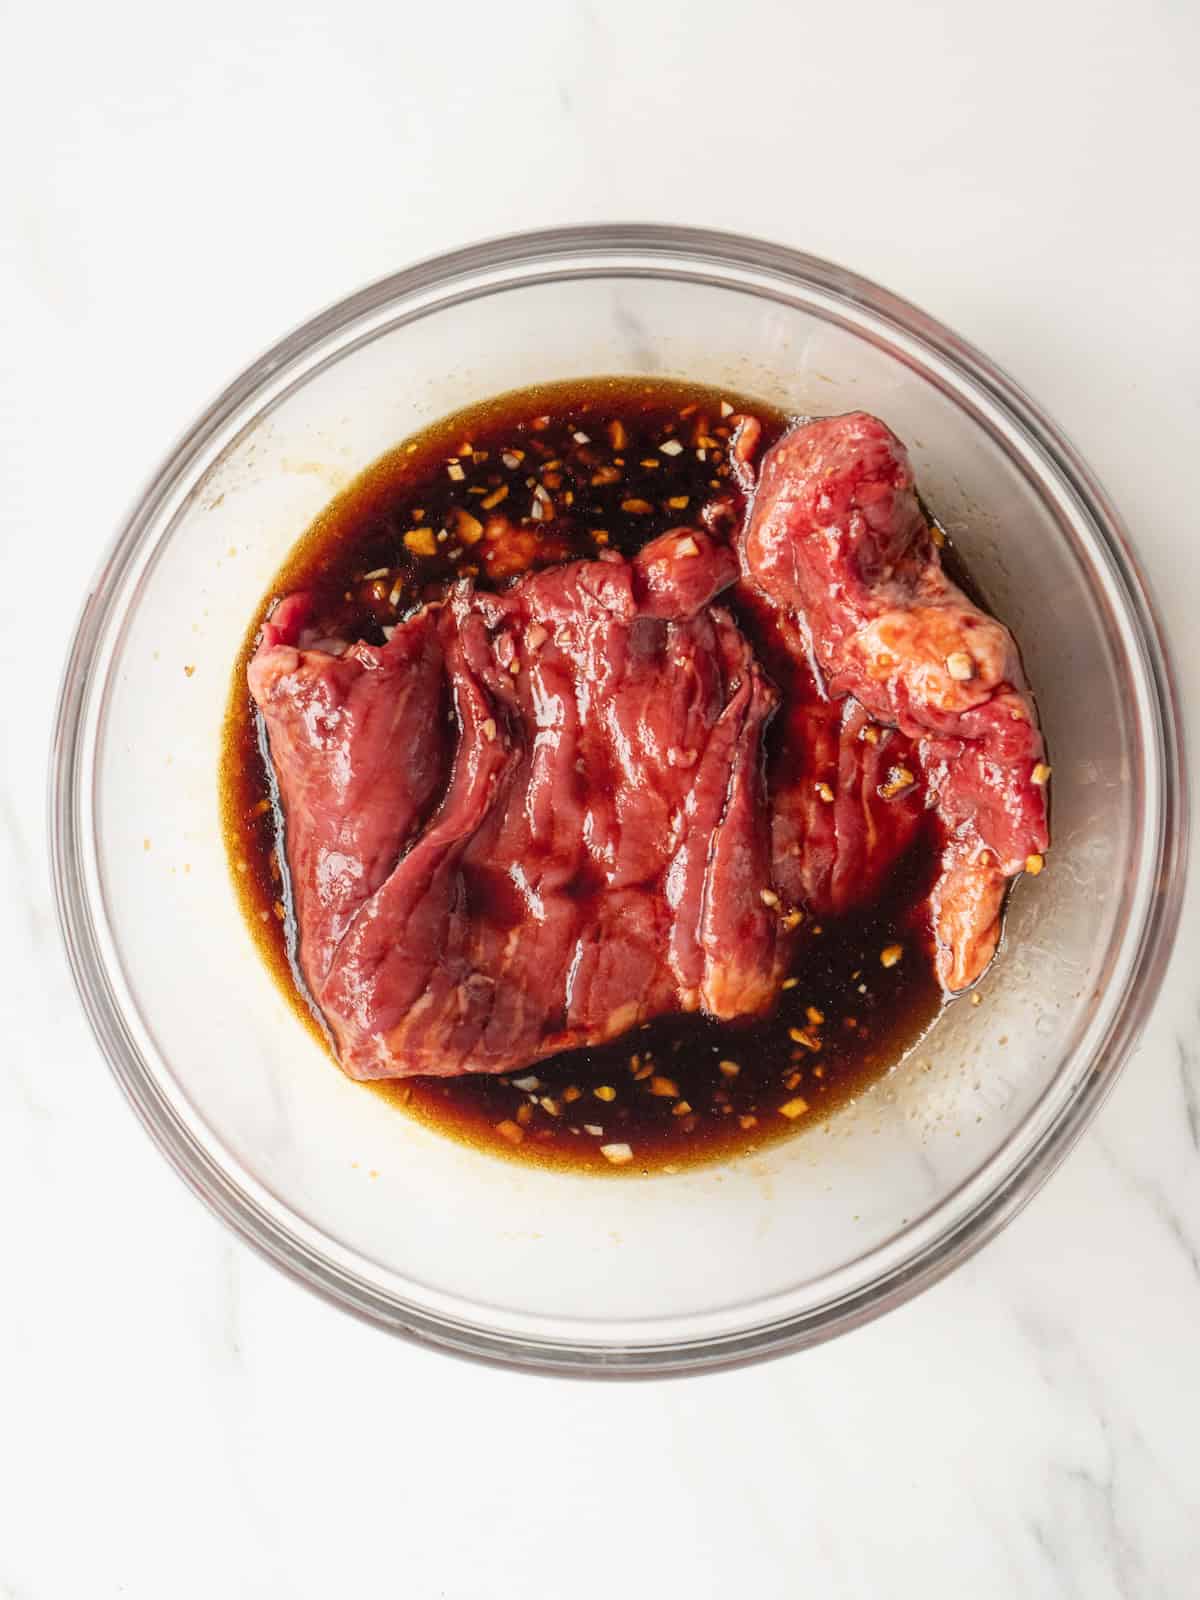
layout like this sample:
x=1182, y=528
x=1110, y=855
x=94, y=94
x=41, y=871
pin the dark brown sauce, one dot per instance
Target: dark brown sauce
x=682, y=1089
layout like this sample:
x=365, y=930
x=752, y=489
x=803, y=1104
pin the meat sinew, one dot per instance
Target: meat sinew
x=531, y=820
x=837, y=543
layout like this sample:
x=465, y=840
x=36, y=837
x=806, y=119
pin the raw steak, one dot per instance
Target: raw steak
x=837, y=543
x=532, y=819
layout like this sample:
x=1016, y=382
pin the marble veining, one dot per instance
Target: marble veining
x=1189, y=1077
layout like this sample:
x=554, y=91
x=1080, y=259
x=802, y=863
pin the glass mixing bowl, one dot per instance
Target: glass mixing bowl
x=619, y=1274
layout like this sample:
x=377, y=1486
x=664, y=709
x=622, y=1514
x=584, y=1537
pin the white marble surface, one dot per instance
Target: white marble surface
x=179, y=188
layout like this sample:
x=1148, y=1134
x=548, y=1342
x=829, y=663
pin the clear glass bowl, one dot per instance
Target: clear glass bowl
x=620, y=1274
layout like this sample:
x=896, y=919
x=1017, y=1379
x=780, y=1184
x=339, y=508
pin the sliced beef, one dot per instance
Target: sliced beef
x=837, y=543
x=535, y=818
x=532, y=819
x=846, y=796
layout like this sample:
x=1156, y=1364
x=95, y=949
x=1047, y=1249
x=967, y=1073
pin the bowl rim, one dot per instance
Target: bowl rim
x=69, y=811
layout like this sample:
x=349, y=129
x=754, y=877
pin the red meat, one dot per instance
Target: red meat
x=531, y=820
x=838, y=543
